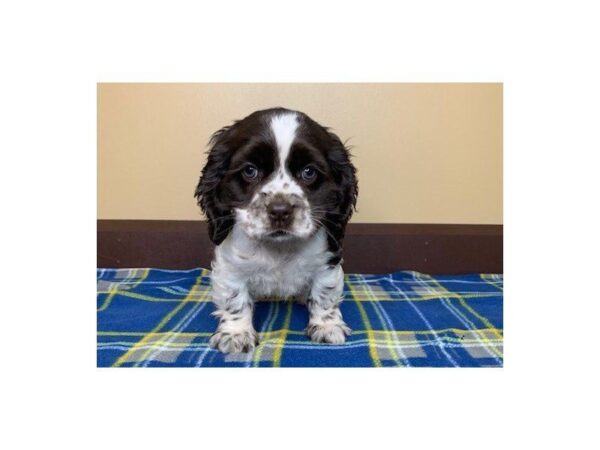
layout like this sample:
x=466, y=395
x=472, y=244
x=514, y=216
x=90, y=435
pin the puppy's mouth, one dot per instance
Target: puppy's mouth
x=278, y=234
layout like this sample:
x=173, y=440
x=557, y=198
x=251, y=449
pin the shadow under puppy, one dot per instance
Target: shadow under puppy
x=278, y=190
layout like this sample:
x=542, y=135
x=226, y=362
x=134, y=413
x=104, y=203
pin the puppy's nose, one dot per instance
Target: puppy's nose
x=280, y=213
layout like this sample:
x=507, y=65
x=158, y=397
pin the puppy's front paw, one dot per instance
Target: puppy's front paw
x=329, y=333
x=238, y=342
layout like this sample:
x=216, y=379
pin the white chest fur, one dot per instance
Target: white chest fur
x=273, y=270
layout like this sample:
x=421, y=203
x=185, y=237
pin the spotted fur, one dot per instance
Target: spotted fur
x=278, y=234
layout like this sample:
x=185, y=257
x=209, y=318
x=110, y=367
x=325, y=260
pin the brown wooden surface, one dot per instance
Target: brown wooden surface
x=368, y=248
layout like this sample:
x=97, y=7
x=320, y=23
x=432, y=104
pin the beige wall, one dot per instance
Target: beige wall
x=425, y=153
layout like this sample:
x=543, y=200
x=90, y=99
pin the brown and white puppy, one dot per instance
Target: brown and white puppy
x=278, y=190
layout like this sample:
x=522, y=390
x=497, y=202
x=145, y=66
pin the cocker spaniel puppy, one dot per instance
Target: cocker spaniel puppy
x=278, y=190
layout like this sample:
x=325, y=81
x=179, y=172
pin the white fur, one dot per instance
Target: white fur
x=272, y=270
x=284, y=128
x=246, y=270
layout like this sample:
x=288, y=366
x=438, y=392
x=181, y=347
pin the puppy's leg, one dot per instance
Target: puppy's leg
x=235, y=332
x=325, y=323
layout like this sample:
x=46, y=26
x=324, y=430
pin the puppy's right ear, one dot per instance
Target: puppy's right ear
x=220, y=219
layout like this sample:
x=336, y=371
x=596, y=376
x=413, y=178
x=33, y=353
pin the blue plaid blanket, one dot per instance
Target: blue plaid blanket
x=161, y=318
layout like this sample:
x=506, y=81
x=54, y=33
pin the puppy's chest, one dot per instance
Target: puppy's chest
x=283, y=274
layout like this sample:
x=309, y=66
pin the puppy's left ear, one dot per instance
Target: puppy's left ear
x=220, y=219
x=344, y=174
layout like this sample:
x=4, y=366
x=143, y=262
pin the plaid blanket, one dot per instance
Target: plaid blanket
x=161, y=318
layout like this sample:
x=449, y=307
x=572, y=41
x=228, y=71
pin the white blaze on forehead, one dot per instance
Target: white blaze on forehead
x=284, y=129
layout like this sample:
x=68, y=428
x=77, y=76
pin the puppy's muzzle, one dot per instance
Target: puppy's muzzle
x=280, y=214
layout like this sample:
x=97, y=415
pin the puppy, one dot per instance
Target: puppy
x=278, y=190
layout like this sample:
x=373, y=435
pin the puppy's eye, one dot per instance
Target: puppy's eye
x=309, y=173
x=250, y=172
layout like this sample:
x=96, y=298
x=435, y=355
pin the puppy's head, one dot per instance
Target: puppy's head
x=280, y=176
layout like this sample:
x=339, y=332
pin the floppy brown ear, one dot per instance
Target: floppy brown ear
x=220, y=219
x=344, y=174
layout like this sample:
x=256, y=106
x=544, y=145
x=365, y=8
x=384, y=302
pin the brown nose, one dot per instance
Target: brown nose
x=280, y=213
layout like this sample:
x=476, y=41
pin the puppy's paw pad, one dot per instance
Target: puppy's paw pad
x=328, y=333
x=239, y=342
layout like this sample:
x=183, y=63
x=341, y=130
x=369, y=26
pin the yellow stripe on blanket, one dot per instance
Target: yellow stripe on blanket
x=446, y=293
x=368, y=328
x=125, y=357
